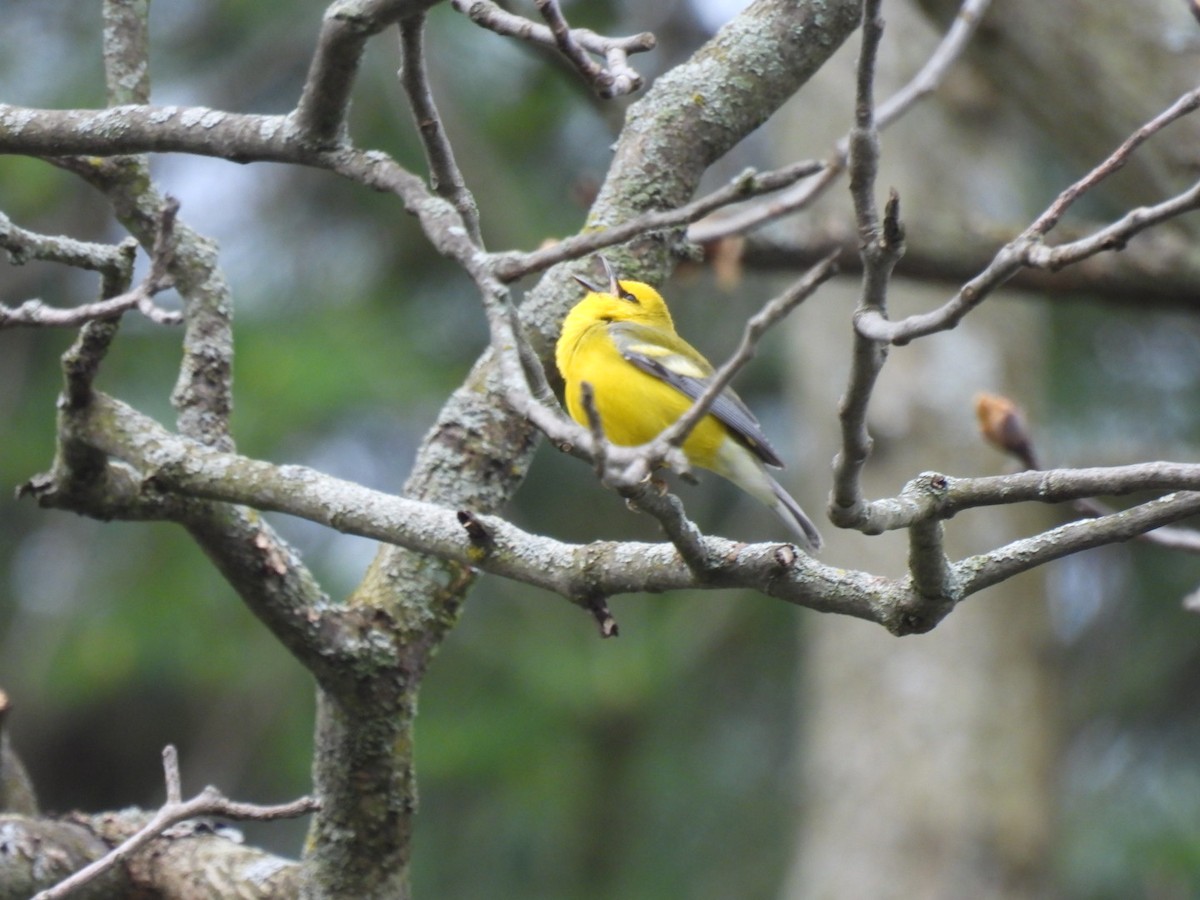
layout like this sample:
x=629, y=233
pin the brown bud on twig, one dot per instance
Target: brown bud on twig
x=1002, y=425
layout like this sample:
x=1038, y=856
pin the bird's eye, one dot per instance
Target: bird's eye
x=625, y=295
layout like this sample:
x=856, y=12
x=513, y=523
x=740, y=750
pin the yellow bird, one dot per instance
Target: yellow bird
x=644, y=376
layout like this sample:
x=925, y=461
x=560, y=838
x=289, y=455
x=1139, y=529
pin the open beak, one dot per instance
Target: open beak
x=594, y=288
x=613, y=287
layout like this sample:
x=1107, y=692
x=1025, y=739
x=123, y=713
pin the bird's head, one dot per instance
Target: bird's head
x=625, y=301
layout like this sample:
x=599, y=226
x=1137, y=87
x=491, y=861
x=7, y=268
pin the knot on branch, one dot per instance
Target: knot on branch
x=482, y=540
x=918, y=614
x=923, y=498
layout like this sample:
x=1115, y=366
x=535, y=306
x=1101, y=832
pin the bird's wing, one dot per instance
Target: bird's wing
x=672, y=360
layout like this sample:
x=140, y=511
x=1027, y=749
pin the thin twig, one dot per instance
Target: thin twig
x=637, y=484
x=1186, y=104
x=141, y=297
x=934, y=496
x=536, y=384
x=1160, y=269
x=774, y=311
x=1113, y=236
x=595, y=426
x=171, y=775
x=920, y=86
x=1186, y=540
x=649, y=496
x=23, y=245
x=511, y=266
x=1004, y=425
x=881, y=245
x=931, y=75
x=1028, y=248
x=35, y=312
x=570, y=49
x=444, y=174
x=616, y=78
x=209, y=802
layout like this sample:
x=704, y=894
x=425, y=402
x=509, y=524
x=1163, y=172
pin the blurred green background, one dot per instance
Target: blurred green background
x=551, y=764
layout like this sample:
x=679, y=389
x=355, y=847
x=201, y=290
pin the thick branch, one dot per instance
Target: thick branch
x=39, y=853
x=171, y=463
x=35, y=312
x=127, y=51
x=320, y=115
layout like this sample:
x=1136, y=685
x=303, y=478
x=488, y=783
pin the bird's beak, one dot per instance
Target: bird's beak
x=613, y=287
x=589, y=285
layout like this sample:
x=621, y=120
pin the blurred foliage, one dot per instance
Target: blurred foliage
x=552, y=764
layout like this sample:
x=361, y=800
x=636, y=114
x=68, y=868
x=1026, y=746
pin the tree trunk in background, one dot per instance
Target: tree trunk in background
x=927, y=766
x=1089, y=74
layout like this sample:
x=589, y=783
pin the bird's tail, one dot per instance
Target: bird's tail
x=739, y=465
x=789, y=510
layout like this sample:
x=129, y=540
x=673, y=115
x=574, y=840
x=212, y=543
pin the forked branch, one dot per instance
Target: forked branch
x=209, y=802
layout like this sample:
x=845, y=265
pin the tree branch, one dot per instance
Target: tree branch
x=773, y=312
x=978, y=572
x=616, y=78
x=1027, y=249
x=176, y=464
x=22, y=246
x=932, y=573
x=126, y=51
x=320, y=114
x=881, y=245
x=444, y=175
x=511, y=265
x=34, y=312
x=209, y=802
x=925, y=82
x=1160, y=269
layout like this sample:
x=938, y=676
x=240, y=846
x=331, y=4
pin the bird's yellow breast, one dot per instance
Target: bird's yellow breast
x=634, y=407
